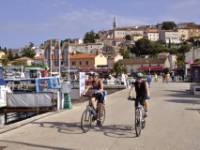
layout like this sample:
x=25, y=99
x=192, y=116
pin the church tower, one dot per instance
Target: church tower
x=114, y=28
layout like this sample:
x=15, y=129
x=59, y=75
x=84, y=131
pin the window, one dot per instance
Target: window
x=80, y=63
x=87, y=63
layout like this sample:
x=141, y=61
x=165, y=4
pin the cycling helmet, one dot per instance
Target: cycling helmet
x=140, y=75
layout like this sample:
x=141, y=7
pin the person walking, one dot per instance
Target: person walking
x=155, y=77
x=149, y=79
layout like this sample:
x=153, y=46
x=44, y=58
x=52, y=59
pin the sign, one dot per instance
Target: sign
x=43, y=84
x=82, y=78
x=3, y=91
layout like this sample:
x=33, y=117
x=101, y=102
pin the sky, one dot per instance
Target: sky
x=23, y=21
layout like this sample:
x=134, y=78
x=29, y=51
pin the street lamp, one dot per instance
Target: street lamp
x=59, y=58
x=68, y=57
x=51, y=57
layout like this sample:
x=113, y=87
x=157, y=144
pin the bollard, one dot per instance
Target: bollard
x=67, y=101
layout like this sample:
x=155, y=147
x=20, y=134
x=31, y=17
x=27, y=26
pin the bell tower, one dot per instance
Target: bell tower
x=114, y=29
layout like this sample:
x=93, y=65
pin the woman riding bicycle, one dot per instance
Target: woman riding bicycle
x=97, y=95
x=142, y=92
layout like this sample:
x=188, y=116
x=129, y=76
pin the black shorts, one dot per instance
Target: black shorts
x=99, y=97
x=140, y=100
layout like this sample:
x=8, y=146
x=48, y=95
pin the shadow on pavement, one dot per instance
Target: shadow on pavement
x=34, y=145
x=193, y=109
x=184, y=97
x=184, y=101
x=176, y=93
x=114, y=131
x=118, y=131
x=62, y=127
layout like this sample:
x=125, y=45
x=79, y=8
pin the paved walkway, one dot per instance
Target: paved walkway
x=173, y=124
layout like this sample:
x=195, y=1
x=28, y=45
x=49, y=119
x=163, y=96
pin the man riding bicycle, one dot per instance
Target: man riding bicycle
x=142, y=92
x=97, y=95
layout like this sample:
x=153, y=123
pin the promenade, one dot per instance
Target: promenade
x=173, y=124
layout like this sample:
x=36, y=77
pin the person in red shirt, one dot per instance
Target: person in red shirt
x=45, y=73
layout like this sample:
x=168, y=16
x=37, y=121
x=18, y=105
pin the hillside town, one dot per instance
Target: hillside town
x=147, y=48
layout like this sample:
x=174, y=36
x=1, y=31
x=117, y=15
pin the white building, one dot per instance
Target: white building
x=38, y=51
x=152, y=36
x=172, y=59
x=120, y=33
x=90, y=48
x=169, y=36
x=192, y=55
x=183, y=33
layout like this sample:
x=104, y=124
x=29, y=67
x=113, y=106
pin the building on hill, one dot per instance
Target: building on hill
x=2, y=55
x=169, y=36
x=194, y=32
x=26, y=61
x=192, y=55
x=88, y=62
x=89, y=48
x=184, y=33
x=172, y=59
x=145, y=64
x=152, y=34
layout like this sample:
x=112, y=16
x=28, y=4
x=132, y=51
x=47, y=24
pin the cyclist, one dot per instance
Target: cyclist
x=96, y=85
x=142, y=92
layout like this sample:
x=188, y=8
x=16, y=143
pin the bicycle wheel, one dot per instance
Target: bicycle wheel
x=138, y=123
x=143, y=124
x=86, y=120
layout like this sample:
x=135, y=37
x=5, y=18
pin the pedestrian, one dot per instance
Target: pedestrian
x=149, y=79
x=163, y=77
x=167, y=77
x=155, y=77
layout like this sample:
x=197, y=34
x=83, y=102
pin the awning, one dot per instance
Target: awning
x=150, y=68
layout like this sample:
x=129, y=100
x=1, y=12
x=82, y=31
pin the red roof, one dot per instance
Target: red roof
x=82, y=56
x=150, y=68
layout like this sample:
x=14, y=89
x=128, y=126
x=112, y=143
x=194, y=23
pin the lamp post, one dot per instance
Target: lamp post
x=68, y=67
x=50, y=60
x=59, y=58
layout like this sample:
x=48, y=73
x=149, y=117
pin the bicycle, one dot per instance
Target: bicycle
x=90, y=115
x=139, y=118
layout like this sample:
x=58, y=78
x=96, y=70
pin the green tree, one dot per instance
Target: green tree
x=16, y=56
x=184, y=48
x=5, y=50
x=90, y=37
x=195, y=41
x=142, y=47
x=124, y=51
x=28, y=51
x=119, y=68
x=168, y=25
x=10, y=55
x=128, y=38
x=31, y=44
